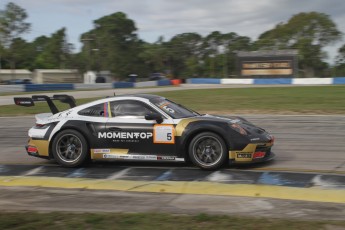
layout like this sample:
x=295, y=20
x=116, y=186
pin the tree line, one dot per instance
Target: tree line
x=113, y=44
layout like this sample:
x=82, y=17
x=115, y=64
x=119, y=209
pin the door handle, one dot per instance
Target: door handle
x=115, y=129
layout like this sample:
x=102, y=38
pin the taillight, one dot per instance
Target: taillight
x=32, y=149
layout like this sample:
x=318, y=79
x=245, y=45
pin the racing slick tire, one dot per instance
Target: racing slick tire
x=208, y=151
x=70, y=148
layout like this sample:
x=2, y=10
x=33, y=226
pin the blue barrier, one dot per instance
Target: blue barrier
x=338, y=80
x=123, y=84
x=204, y=81
x=48, y=87
x=163, y=82
x=67, y=86
x=273, y=81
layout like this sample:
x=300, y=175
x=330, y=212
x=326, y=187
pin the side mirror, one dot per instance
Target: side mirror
x=154, y=116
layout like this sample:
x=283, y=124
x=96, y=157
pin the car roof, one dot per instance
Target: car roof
x=119, y=97
x=146, y=96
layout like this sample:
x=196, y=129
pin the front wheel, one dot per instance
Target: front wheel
x=70, y=148
x=208, y=151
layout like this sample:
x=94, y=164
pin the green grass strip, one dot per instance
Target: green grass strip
x=275, y=100
x=149, y=221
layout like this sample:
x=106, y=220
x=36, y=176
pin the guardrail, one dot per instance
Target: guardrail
x=269, y=81
x=236, y=81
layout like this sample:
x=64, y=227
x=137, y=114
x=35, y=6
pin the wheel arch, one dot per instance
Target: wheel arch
x=188, y=138
x=66, y=128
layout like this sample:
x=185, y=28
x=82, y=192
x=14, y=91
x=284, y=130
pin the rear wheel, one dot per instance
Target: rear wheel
x=208, y=151
x=70, y=148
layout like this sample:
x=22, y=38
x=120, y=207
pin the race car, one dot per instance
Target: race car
x=142, y=127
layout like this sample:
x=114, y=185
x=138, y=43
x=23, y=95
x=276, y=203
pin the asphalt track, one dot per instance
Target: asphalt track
x=303, y=143
x=306, y=180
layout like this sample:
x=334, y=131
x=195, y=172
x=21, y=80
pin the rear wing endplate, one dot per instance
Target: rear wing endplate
x=28, y=102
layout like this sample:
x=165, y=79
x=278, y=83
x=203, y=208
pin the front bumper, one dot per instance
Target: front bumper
x=253, y=153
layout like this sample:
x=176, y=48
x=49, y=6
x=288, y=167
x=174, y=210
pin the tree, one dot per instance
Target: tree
x=307, y=32
x=339, y=68
x=154, y=57
x=53, y=52
x=112, y=45
x=12, y=25
x=219, y=51
x=183, y=54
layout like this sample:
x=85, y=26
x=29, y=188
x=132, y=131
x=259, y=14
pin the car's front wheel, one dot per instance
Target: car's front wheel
x=208, y=151
x=70, y=148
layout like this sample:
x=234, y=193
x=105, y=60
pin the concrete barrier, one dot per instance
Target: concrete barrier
x=11, y=88
x=48, y=87
x=237, y=81
x=123, y=85
x=269, y=81
x=339, y=80
x=204, y=81
x=145, y=84
x=94, y=86
x=276, y=81
x=166, y=82
x=312, y=81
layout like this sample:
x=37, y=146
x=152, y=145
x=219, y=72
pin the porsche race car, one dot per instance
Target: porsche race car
x=142, y=127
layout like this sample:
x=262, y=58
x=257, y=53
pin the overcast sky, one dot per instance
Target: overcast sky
x=167, y=18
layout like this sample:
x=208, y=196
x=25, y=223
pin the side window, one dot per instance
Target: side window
x=93, y=111
x=130, y=109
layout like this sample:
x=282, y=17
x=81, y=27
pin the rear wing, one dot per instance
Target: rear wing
x=28, y=102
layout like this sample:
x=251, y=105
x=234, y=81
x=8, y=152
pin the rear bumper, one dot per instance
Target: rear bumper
x=38, y=148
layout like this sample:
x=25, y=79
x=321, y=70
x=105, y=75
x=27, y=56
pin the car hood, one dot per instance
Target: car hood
x=228, y=119
x=248, y=126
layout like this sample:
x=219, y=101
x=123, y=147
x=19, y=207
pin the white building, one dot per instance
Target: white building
x=57, y=76
x=15, y=74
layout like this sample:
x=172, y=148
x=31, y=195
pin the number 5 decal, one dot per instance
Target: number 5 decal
x=163, y=134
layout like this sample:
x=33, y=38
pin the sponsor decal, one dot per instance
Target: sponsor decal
x=165, y=158
x=244, y=155
x=163, y=134
x=101, y=151
x=164, y=105
x=130, y=157
x=125, y=135
x=23, y=103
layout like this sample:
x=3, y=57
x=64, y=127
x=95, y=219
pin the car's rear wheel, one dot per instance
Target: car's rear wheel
x=70, y=148
x=208, y=151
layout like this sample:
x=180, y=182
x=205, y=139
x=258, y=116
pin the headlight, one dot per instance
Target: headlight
x=239, y=129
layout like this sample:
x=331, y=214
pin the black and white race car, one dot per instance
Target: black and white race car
x=142, y=127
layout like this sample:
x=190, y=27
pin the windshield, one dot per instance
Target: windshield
x=173, y=109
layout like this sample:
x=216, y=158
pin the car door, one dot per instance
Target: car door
x=132, y=134
x=93, y=119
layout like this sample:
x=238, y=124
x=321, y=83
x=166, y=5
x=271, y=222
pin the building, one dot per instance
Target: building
x=57, y=76
x=7, y=75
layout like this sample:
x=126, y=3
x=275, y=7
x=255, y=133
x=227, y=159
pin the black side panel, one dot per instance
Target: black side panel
x=89, y=130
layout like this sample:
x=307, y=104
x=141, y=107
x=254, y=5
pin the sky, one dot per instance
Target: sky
x=167, y=18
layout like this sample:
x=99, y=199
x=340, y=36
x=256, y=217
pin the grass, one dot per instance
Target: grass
x=276, y=100
x=304, y=100
x=143, y=221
